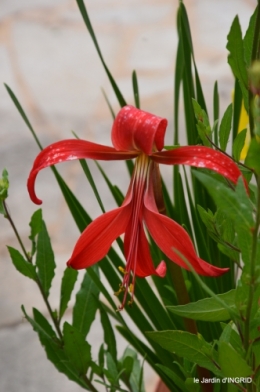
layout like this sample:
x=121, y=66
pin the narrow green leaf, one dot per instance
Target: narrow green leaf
x=231, y=363
x=41, y=325
x=76, y=348
x=136, y=89
x=248, y=39
x=4, y=185
x=208, y=309
x=215, y=113
x=85, y=307
x=109, y=336
x=22, y=265
x=188, y=346
x=91, y=181
x=45, y=260
x=230, y=335
x=203, y=125
x=236, y=57
x=53, y=347
x=174, y=377
x=112, y=372
x=86, y=19
x=22, y=113
x=225, y=127
x=36, y=226
x=67, y=285
x=238, y=144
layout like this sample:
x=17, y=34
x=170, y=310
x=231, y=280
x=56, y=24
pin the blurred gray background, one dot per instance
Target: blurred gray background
x=49, y=61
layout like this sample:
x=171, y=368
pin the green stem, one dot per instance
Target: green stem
x=28, y=258
x=252, y=269
x=89, y=384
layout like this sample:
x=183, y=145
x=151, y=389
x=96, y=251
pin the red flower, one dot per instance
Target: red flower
x=137, y=134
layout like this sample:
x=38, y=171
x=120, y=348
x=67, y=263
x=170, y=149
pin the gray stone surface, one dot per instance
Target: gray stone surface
x=48, y=59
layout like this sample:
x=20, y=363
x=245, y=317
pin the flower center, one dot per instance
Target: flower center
x=132, y=234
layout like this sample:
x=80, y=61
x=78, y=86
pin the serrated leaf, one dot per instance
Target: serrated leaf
x=225, y=127
x=238, y=144
x=85, y=307
x=67, y=284
x=236, y=57
x=22, y=265
x=53, y=347
x=188, y=346
x=45, y=260
x=231, y=363
x=76, y=348
x=208, y=309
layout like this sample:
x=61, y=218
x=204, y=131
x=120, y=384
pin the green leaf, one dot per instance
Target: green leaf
x=237, y=204
x=188, y=346
x=4, y=185
x=208, y=309
x=112, y=372
x=45, y=259
x=252, y=158
x=67, y=284
x=238, y=144
x=89, y=176
x=53, y=347
x=231, y=363
x=236, y=57
x=225, y=127
x=86, y=19
x=203, y=125
x=36, y=226
x=230, y=335
x=109, y=336
x=76, y=348
x=85, y=307
x=22, y=265
x=248, y=39
x=135, y=89
x=174, y=377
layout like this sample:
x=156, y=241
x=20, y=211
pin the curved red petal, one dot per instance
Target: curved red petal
x=144, y=264
x=67, y=150
x=169, y=235
x=200, y=156
x=96, y=239
x=134, y=129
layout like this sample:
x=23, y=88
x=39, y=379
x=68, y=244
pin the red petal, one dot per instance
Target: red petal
x=134, y=129
x=67, y=150
x=144, y=264
x=95, y=241
x=200, y=156
x=168, y=235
